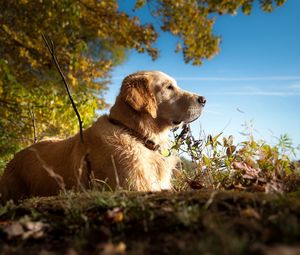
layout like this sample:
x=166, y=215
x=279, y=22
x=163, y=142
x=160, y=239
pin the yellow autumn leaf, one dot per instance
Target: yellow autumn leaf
x=72, y=80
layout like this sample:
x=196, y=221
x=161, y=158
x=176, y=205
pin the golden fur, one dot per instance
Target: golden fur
x=149, y=104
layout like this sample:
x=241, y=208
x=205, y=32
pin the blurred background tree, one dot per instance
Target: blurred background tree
x=91, y=37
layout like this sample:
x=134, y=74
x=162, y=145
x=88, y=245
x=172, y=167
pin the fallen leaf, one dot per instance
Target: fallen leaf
x=115, y=215
x=273, y=217
x=249, y=172
x=167, y=209
x=33, y=229
x=45, y=252
x=4, y=222
x=250, y=213
x=13, y=230
x=24, y=229
x=195, y=184
x=112, y=249
x=277, y=249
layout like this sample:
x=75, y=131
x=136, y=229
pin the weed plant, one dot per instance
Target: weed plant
x=216, y=162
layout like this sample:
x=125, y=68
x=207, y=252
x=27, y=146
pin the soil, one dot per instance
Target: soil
x=195, y=222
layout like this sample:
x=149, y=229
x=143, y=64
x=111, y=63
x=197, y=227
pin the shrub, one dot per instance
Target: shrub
x=219, y=163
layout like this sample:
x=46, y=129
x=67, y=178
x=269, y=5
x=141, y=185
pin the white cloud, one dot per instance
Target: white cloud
x=255, y=91
x=246, y=78
x=295, y=86
x=258, y=78
x=262, y=93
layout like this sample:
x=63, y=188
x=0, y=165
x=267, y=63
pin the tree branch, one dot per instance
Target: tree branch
x=33, y=124
x=51, y=49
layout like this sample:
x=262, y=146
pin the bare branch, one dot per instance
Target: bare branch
x=51, y=48
x=33, y=124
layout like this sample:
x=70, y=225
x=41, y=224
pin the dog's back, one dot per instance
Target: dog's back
x=42, y=169
x=11, y=185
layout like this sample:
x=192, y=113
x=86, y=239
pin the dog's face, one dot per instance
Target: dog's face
x=157, y=94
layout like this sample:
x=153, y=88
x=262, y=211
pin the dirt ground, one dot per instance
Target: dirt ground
x=197, y=222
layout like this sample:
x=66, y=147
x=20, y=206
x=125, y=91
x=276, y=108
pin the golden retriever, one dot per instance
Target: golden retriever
x=121, y=149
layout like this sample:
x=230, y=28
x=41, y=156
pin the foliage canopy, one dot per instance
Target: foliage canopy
x=91, y=37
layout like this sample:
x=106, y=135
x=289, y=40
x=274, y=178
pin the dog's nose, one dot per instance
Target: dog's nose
x=202, y=100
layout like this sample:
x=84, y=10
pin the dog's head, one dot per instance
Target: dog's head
x=156, y=94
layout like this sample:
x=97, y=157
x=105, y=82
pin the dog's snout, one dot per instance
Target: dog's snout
x=202, y=100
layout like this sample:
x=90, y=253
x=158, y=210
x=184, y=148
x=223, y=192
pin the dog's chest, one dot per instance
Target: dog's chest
x=153, y=171
x=143, y=168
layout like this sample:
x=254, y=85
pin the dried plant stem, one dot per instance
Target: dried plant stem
x=51, y=49
x=116, y=172
x=33, y=124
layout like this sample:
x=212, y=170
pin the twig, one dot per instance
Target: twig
x=211, y=199
x=51, y=49
x=116, y=172
x=33, y=124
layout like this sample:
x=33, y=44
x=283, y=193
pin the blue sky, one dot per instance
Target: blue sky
x=255, y=77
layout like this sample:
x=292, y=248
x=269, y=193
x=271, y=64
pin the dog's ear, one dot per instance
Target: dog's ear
x=137, y=93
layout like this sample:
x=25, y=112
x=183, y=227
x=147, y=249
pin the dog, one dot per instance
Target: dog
x=121, y=149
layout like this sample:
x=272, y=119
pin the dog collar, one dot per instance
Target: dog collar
x=148, y=143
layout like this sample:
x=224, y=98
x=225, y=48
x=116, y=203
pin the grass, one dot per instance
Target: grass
x=195, y=222
x=211, y=210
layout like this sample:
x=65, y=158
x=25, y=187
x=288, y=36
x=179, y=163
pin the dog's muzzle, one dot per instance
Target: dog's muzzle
x=202, y=100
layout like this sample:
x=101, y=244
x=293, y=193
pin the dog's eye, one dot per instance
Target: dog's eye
x=170, y=87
